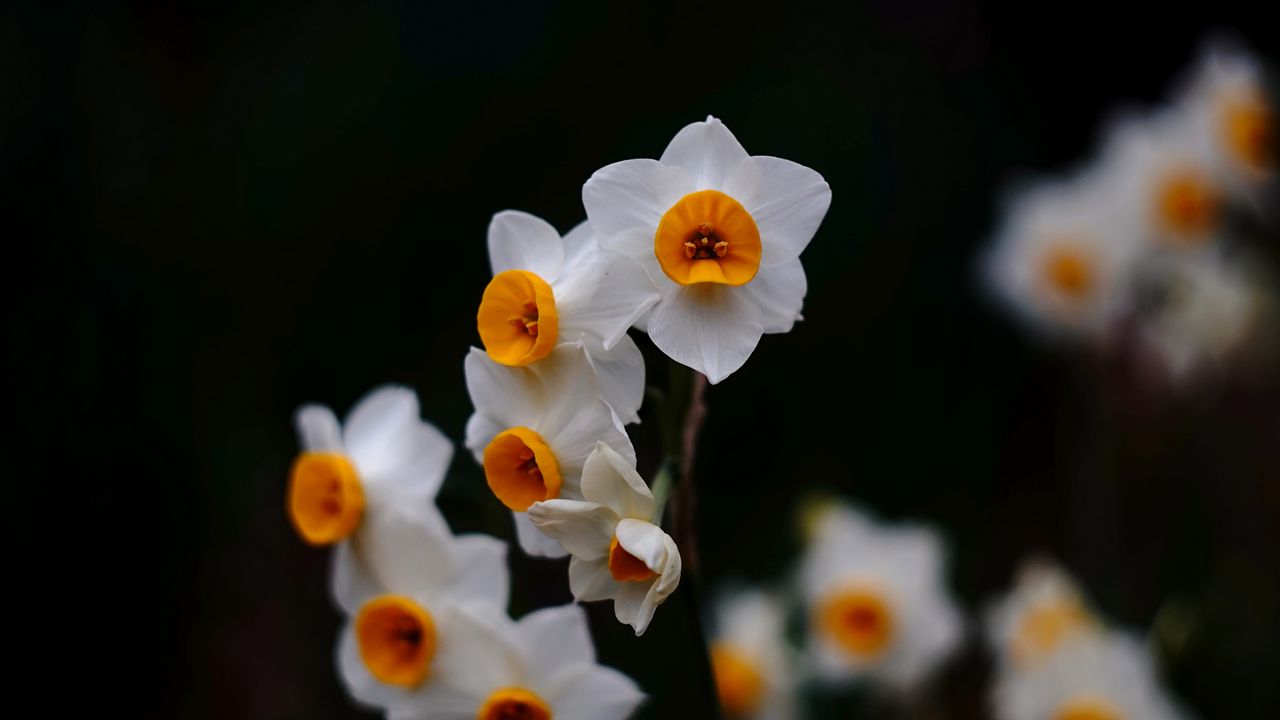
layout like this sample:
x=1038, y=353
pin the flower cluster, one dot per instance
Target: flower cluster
x=1147, y=246
x=1057, y=659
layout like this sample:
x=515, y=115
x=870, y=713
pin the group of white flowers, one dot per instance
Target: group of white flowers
x=1146, y=246
x=700, y=249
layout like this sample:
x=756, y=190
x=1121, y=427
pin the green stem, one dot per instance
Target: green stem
x=662, y=488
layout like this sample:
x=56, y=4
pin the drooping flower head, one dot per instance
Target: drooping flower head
x=876, y=600
x=1094, y=676
x=720, y=234
x=754, y=667
x=355, y=485
x=541, y=668
x=533, y=428
x=1044, y=609
x=548, y=291
x=617, y=551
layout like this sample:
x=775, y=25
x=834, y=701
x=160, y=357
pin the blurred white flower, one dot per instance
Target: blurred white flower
x=549, y=290
x=1094, y=676
x=1044, y=610
x=1063, y=257
x=755, y=669
x=362, y=485
x=720, y=234
x=541, y=668
x=876, y=600
x=534, y=427
x=618, y=553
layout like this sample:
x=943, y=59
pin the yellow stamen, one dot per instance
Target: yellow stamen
x=517, y=319
x=1088, y=708
x=738, y=682
x=325, y=497
x=397, y=640
x=858, y=620
x=521, y=469
x=708, y=237
x=626, y=567
x=514, y=704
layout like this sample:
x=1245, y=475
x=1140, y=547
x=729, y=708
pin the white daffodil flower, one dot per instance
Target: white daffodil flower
x=1097, y=676
x=534, y=427
x=541, y=668
x=753, y=665
x=1044, y=610
x=618, y=553
x=1233, y=118
x=720, y=234
x=548, y=290
x=876, y=600
x=364, y=485
x=403, y=622
x=1064, y=257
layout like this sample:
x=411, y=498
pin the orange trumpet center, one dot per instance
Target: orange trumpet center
x=325, y=497
x=397, y=639
x=708, y=237
x=858, y=620
x=514, y=704
x=626, y=567
x=521, y=469
x=517, y=319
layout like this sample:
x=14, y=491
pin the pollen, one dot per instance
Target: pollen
x=514, y=704
x=1069, y=272
x=326, y=499
x=626, y=567
x=521, y=469
x=708, y=237
x=1249, y=126
x=859, y=621
x=397, y=640
x=1044, y=626
x=517, y=319
x=739, y=682
x=1187, y=205
x=1087, y=708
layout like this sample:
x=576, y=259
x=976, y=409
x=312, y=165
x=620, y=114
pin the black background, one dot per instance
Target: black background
x=215, y=213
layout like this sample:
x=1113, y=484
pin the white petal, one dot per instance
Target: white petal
x=629, y=605
x=520, y=241
x=602, y=296
x=360, y=683
x=707, y=151
x=585, y=529
x=533, y=542
x=777, y=292
x=508, y=396
x=632, y=194
x=578, y=242
x=397, y=549
x=668, y=579
x=596, y=693
x=591, y=580
x=644, y=540
x=575, y=416
x=710, y=328
x=477, y=653
x=636, y=603
x=787, y=200
x=555, y=640
x=481, y=430
x=379, y=430
x=318, y=429
x=423, y=457
x=482, y=576
x=611, y=480
x=620, y=375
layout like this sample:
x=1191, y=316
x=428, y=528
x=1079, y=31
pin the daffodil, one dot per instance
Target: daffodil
x=365, y=484
x=1064, y=257
x=754, y=667
x=1044, y=610
x=617, y=551
x=403, y=628
x=720, y=234
x=1100, y=676
x=876, y=600
x=533, y=428
x=547, y=291
x=540, y=668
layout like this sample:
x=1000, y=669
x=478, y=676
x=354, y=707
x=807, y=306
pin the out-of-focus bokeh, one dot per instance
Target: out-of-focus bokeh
x=216, y=213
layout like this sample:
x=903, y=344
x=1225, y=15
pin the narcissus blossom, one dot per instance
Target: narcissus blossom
x=362, y=485
x=618, y=553
x=1044, y=610
x=548, y=291
x=1099, y=676
x=720, y=234
x=403, y=630
x=541, y=668
x=754, y=667
x=876, y=600
x=533, y=428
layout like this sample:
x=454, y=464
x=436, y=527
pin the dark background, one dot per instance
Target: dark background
x=218, y=212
